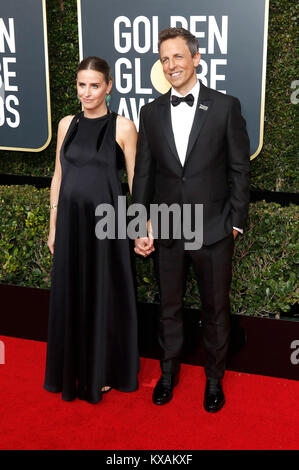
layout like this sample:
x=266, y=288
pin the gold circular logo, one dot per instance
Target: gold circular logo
x=158, y=79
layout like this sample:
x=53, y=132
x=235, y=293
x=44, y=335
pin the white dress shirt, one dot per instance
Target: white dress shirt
x=182, y=117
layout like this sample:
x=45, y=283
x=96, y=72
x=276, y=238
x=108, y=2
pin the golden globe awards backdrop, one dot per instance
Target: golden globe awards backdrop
x=232, y=37
x=25, y=122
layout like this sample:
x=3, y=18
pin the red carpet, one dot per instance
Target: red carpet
x=260, y=412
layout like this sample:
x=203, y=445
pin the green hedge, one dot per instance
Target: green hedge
x=274, y=169
x=265, y=261
x=25, y=259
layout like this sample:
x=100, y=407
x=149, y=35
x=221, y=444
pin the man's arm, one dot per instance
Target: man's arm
x=239, y=164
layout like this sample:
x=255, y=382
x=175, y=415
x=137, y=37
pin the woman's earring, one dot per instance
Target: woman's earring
x=108, y=98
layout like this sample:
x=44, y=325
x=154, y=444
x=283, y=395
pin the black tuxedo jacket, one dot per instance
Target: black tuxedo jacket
x=216, y=169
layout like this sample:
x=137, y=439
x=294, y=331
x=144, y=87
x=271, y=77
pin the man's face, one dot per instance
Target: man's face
x=179, y=66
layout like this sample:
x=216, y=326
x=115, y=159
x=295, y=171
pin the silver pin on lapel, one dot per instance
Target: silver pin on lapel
x=203, y=107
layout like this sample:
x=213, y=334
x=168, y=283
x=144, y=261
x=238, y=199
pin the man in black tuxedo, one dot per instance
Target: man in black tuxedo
x=193, y=148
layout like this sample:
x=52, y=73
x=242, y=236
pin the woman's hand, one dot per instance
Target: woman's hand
x=51, y=241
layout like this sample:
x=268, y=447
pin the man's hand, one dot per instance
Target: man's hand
x=235, y=233
x=144, y=246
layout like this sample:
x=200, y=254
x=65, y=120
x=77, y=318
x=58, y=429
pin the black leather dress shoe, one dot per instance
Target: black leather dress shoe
x=163, y=391
x=214, y=396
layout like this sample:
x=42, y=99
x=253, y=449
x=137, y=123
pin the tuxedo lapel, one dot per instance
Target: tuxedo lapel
x=165, y=117
x=202, y=112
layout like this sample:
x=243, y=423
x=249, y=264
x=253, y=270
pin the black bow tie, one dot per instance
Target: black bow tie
x=189, y=99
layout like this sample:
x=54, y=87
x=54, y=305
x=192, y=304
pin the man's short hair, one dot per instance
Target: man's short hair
x=171, y=33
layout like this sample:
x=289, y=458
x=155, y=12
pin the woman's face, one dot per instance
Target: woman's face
x=92, y=89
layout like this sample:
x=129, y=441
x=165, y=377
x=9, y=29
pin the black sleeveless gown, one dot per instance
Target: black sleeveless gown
x=92, y=333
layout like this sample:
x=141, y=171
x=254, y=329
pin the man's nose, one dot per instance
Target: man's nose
x=171, y=64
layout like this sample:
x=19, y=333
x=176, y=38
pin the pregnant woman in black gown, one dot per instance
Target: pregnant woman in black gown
x=92, y=334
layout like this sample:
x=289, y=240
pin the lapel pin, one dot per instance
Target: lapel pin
x=203, y=107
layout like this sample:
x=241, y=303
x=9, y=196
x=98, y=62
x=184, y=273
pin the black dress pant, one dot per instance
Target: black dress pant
x=213, y=269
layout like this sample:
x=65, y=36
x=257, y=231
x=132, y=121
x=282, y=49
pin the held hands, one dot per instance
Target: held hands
x=145, y=246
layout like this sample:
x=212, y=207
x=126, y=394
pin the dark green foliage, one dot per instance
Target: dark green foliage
x=25, y=259
x=265, y=262
x=274, y=169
